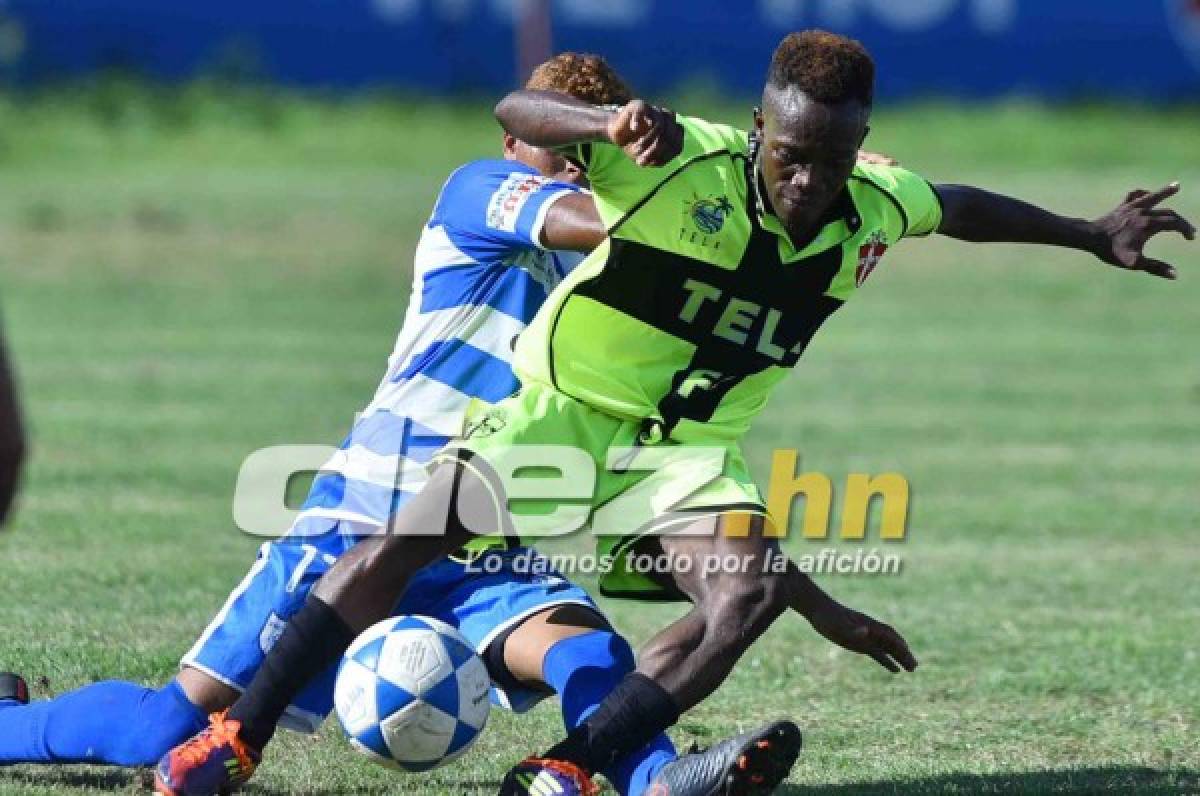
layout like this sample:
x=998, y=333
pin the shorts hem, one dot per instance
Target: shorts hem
x=663, y=594
x=504, y=697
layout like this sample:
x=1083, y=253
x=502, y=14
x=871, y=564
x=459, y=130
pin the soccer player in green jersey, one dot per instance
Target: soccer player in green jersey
x=727, y=250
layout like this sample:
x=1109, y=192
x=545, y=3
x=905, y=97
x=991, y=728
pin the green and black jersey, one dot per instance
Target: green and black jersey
x=698, y=303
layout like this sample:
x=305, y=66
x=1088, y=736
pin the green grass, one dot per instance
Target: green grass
x=187, y=279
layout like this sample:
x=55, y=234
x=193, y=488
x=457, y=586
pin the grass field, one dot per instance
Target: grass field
x=187, y=280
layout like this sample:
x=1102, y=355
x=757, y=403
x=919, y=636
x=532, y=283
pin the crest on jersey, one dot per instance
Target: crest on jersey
x=709, y=214
x=869, y=254
x=492, y=421
x=1183, y=20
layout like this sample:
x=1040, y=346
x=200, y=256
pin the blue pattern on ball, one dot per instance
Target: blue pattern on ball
x=444, y=695
x=373, y=739
x=463, y=735
x=390, y=698
x=409, y=623
x=368, y=656
x=459, y=653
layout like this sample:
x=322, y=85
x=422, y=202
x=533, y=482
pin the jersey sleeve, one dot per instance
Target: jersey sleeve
x=490, y=208
x=920, y=205
x=619, y=184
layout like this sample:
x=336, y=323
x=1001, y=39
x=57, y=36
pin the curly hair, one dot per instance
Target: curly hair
x=825, y=66
x=582, y=75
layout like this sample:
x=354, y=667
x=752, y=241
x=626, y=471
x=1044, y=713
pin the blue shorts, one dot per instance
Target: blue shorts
x=482, y=600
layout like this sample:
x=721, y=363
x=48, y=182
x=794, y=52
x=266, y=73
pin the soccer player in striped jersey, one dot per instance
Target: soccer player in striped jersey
x=485, y=262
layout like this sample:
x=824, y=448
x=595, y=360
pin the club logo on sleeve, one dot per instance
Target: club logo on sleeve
x=509, y=199
x=869, y=254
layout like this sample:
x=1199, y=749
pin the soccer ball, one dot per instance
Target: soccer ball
x=411, y=694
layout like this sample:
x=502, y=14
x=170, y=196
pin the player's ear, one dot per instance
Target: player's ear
x=758, y=119
x=510, y=147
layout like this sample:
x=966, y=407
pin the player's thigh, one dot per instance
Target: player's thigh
x=525, y=647
x=723, y=558
x=451, y=510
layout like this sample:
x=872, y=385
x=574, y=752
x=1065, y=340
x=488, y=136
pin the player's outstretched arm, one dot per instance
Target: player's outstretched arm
x=1116, y=238
x=650, y=135
x=12, y=437
x=846, y=627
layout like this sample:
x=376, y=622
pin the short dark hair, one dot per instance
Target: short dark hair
x=825, y=66
x=584, y=76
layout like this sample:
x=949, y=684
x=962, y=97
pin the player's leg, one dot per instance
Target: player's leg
x=731, y=607
x=128, y=724
x=359, y=590
x=686, y=661
x=111, y=722
x=572, y=650
x=539, y=634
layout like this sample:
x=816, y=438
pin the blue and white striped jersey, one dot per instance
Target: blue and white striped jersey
x=479, y=276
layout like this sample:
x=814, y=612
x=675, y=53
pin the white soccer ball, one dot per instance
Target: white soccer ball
x=412, y=694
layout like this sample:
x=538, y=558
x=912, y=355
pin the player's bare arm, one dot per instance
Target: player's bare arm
x=572, y=224
x=650, y=135
x=1117, y=238
x=846, y=627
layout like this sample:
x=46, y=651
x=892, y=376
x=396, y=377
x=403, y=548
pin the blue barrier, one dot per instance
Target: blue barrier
x=962, y=48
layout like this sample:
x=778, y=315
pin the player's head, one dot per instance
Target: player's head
x=583, y=76
x=815, y=109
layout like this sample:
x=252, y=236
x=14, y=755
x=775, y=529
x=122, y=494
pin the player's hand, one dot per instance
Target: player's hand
x=648, y=134
x=1123, y=232
x=860, y=633
x=876, y=158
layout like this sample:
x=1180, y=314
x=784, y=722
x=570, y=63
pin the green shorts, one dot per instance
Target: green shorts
x=554, y=465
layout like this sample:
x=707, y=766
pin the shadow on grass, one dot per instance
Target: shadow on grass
x=1100, y=779
x=95, y=777
x=142, y=781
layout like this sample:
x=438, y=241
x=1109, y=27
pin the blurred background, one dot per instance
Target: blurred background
x=207, y=220
x=959, y=48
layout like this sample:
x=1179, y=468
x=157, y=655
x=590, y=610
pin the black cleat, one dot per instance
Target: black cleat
x=13, y=688
x=751, y=764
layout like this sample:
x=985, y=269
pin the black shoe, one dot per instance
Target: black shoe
x=752, y=764
x=13, y=689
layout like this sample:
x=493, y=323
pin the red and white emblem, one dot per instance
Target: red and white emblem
x=869, y=255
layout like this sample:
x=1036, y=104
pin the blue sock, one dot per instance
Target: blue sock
x=121, y=724
x=583, y=670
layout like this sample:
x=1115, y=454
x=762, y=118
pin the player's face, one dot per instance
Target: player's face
x=808, y=151
x=548, y=162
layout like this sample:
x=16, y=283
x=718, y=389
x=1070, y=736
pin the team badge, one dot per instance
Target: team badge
x=486, y=425
x=869, y=255
x=709, y=214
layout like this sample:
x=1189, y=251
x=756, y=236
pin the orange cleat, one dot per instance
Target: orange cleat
x=214, y=762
